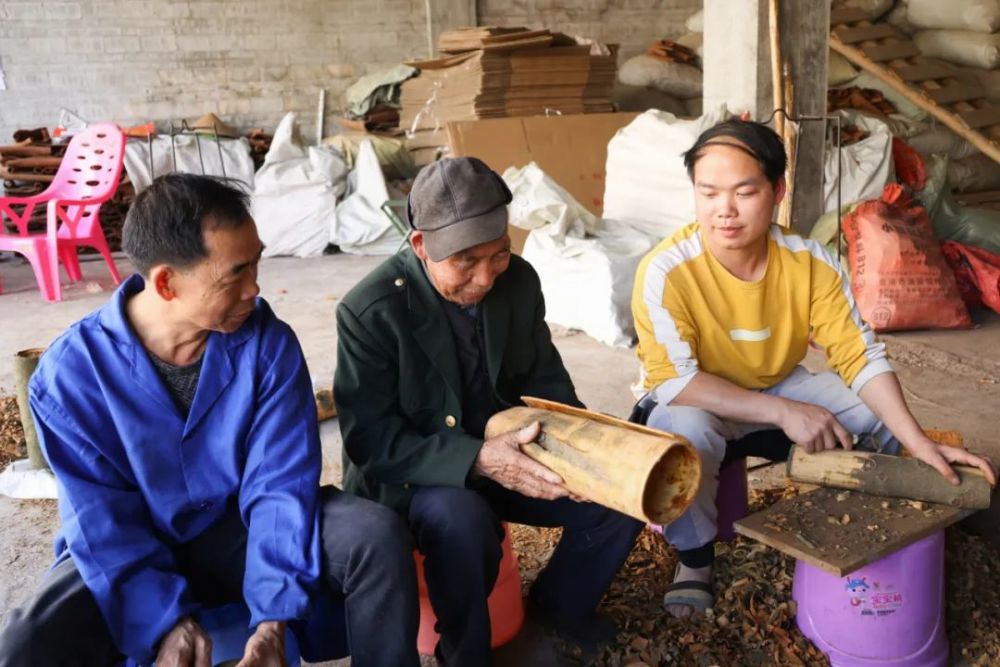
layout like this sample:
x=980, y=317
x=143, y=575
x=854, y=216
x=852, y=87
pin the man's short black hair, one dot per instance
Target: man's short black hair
x=166, y=222
x=756, y=139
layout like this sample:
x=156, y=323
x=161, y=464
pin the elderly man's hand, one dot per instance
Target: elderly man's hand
x=502, y=460
x=186, y=645
x=266, y=647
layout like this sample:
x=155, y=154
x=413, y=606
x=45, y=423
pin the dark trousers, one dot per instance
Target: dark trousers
x=367, y=569
x=459, y=533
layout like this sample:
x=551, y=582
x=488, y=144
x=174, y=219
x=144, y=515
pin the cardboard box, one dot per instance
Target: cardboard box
x=572, y=149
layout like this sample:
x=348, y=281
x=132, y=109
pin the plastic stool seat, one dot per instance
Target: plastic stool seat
x=890, y=612
x=505, y=603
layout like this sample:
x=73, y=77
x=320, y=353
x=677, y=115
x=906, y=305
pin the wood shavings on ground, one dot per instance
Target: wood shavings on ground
x=753, y=620
x=973, y=598
x=11, y=433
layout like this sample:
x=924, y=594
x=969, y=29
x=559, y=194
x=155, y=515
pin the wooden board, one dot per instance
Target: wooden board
x=809, y=527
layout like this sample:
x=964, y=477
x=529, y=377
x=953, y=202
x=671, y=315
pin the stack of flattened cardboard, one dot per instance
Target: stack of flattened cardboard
x=500, y=72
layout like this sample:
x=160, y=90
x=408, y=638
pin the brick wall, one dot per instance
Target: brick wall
x=631, y=23
x=249, y=61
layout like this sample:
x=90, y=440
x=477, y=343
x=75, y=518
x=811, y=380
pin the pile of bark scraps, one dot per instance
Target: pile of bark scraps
x=973, y=598
x=11, y=433
x=753, y=621
x=260, y=144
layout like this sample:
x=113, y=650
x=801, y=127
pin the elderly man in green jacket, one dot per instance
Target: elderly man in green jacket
x=431, y=344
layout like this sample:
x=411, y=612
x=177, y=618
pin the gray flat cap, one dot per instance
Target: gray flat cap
x=458, y=203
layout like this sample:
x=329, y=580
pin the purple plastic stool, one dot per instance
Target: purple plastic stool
x=890, y=612
x=731, y=498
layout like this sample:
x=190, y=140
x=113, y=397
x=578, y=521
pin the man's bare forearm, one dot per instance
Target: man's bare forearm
x=729, y=401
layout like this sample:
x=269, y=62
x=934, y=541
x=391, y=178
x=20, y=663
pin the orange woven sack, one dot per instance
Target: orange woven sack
x=899, y=276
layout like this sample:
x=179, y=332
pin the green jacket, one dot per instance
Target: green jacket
x=398, y=385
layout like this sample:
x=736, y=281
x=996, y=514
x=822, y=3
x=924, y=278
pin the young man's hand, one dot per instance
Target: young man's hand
x=186, y=645
x=940, y=457
x=266, y=647
x=502, y=460
x=813, y=428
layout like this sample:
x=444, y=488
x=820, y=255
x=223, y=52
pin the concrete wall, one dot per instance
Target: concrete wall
x=249, y=61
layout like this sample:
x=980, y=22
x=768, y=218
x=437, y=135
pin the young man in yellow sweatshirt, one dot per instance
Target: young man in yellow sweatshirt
x=725, y=309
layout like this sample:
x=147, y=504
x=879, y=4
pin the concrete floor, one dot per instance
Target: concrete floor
x=952, y=380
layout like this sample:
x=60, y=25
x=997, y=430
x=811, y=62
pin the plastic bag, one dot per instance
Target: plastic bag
x=961, y=47
x=867, y=164
x=696, y=22
x=909, y=166
x=646, y=184
x=683, y=81
x=899, y=276
x=977, y=15
x=586, y=266
x=970, y=226
x=362, y=228
x=977, y=272
x=295, y=194
x=541, y=203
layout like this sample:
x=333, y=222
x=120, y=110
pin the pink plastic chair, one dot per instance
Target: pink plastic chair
x=88, y=176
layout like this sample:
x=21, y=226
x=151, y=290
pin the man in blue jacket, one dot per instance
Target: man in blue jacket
x=180, y=423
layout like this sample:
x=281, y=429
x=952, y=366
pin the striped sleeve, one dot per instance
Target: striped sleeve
x=666, y=332
x=850, y=344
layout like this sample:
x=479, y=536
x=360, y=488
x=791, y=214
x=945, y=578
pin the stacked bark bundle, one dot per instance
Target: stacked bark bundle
x=498, y=72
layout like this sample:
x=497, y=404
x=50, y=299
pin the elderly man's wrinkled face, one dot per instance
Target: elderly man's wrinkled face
x=466, y=277
x=218, y=293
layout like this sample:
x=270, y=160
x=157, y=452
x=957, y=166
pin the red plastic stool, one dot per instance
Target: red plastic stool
x=505, y=603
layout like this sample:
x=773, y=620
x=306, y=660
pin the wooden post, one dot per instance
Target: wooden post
x=777, y=81
x=25, y=362
x=891, y=476
x=647, y=474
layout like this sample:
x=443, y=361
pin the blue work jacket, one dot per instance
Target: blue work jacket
x=136, y=478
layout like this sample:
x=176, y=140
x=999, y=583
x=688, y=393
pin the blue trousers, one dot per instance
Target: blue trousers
x=458, y=530
x=367, y=570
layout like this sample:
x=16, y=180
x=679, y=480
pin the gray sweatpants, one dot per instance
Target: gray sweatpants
x=709, y=433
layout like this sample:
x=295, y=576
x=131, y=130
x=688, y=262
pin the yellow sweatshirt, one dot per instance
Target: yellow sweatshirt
x=691, y=314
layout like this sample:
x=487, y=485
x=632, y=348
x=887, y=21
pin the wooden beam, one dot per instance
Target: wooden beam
x=848, y=15
x=883, y=52
x=950, y=120
x=865, y=33
x=981, y=117
x=842, y=531
x=891, y=476
x=923, y=71
x=960, y=92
